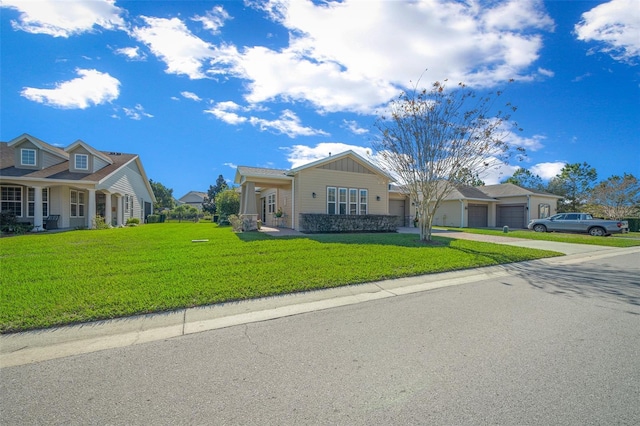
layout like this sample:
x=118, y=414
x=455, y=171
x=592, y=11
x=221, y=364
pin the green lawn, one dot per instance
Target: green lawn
x=78, y=276
x=616, y=240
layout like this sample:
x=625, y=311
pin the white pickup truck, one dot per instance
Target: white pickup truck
x=579, y=222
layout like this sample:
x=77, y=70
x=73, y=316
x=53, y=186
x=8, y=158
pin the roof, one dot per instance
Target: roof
x=512, y=190
x=349, y=153
x=197, y=194
x=259, y=172
x=469, y=193
x=59, y=171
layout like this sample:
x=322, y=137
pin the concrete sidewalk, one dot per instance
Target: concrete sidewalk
x=40, y=345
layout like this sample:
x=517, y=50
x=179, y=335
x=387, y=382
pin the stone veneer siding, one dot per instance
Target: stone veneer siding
x=326, y=223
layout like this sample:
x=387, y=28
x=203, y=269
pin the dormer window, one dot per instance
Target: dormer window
x=82, y=161
x=28, y=157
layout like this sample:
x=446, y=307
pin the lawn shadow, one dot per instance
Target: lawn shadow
x=602, y=282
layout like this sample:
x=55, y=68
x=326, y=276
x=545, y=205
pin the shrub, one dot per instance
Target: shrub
x=100, y=223
x=7, y=221
x=236, y=223
x=153, y=218
x=133, y=221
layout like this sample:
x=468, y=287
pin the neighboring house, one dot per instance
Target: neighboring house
x=193, y=198
x=341, y=184
x=348, y=184
x=74, y=184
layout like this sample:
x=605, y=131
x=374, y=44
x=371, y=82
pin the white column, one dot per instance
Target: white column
x=91, y=208
x=119, y=210
x=37, y=213
x=107, y=208
x=249, y=198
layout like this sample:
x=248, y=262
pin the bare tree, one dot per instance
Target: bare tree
x=616, y=198
x=432, y=139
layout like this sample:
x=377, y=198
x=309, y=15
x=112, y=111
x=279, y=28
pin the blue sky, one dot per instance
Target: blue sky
x=199, y=87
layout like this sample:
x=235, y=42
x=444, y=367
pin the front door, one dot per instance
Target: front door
x=263, y=204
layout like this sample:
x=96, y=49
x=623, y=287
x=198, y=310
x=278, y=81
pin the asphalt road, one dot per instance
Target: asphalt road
x=552, y=346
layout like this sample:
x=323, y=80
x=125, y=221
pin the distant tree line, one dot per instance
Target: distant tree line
x=616, y=197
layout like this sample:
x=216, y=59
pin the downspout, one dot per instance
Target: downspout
x=461, y=213
x=528, y=210
x=293, y=203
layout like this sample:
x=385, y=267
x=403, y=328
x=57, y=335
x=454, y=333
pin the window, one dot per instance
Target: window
x=331, y=200
x=342, y=200
x=271, y=203
x=82, y=161
x=31, y=202
x=11, y=200
x=77, y=203
x=363, y=201
x=353, y=201
x=544, y=211
x=28, y=157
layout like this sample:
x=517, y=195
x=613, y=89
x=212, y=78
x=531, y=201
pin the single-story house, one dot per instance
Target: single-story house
x=193, y=199
x=71, y=185
x=348, y=184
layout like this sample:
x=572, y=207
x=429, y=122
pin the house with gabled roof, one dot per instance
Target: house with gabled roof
x=193, y=199
x=39, y=181
x=347, y=184
x=342, y=184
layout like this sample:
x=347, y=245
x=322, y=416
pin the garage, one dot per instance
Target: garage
x=512, y=216
x=478, y=216
x=396, y=208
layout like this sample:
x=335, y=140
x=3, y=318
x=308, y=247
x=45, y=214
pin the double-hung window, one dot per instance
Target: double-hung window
x=82, y=161
x=331, y=200
x=352, y=201
x=363, y=201
x=77, y=203
x=271, y=203
x=28, y=157
x=11, y=199
x=342, y=200
x=31, y=202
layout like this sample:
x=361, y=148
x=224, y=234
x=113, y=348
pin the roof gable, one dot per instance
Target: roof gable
x=347, y=161
x=39, y=144
x=90, y=149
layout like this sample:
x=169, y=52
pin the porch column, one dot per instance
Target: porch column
x=91, y=208
x=37, y=213
x=118, y=210
x=107, y=209
x=248, y=199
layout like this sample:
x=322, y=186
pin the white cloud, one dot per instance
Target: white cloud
x=92, y=87
x=191, y=95
x=225, y=111
x=340, y=59
x=299, y=155
x=132, y=53
x=616, y=26
x=287, y=124
x=353, y=127
x=232, y=165
x=172, y=42
x=213, y=19
x=533, y=143
x=64, y=18
x=547, y=170
x=136, y=113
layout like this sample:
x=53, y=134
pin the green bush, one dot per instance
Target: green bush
x=634, y=224
x=100, y=223
x=133, y=221
x=153, y=218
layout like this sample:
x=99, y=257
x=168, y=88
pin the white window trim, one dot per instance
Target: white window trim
x=361, y=208
x=362, y=191
x=45, y=201
x=335, y=200
x=76, y=157
x=22, y=153
x=79, y=195
x=19, y=202
x=271, y=203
